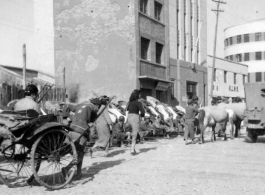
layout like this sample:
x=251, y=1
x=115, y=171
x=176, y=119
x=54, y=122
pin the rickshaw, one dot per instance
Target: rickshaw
x=37, y=147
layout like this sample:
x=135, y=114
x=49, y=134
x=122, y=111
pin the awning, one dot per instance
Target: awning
x=155, y=79
x=162, y=84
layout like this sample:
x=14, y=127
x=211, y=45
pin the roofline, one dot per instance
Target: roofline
x=261, y=19
x=7, y=66
x=229, y=61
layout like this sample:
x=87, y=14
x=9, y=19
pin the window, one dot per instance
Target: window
x=227, y=43
x=191, y=89
x=244, y=79
x=145, y=48
x=238, y=39
x=158, y=10
x=258, y=55
x=225, y=76
x=214, y=75
x=231, y=58
x=248, y=77
x=246, y=57
x=231, y=40
x=234, y=78
x=159, y=52
x=257, y=36
x=143, y=6
x=238, y=58
x=258, y=76
x=226, y=57
x=246, y=38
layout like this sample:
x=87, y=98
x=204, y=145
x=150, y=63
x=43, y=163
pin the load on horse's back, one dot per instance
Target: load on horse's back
x=209, y=116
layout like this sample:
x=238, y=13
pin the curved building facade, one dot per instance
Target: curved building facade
x=245, y=43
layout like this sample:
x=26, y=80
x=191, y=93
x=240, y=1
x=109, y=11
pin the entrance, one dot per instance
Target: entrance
x=145, y=92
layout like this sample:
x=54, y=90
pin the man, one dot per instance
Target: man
x=118, y=131
x=85, y=113
x=159, y=126
x=29, y=101
x=12, y=103
x=145, y=128
x=191, y=112
x=179, y=123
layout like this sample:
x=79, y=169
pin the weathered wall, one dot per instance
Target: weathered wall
x=95, y=42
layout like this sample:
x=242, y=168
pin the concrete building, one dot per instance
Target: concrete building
x=244, y=43
x=27, y=22
x=112, y=47
x=188, y=49
x=229, y=78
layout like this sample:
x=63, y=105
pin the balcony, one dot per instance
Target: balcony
x=152, y=70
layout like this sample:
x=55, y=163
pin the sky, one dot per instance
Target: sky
x=235, y=12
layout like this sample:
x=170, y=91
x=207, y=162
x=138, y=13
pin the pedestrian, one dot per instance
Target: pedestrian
x=11, y=104
x=191, y=112
x=103, y=128
x=133, y=108
x=85, y=113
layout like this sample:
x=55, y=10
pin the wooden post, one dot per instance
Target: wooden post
x=64, y=90
x=24, y=66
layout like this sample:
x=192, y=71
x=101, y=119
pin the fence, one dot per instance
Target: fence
x=10, y=92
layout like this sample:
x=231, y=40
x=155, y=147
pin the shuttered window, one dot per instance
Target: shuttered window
x=159, y=52
x=144, y=48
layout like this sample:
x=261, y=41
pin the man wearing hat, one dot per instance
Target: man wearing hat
x=85, y=113
x=191, y=112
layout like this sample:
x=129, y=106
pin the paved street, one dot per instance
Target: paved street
x=168, y=166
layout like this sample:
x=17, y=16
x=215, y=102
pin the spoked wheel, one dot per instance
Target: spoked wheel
x=55, y=150
x=15, y=165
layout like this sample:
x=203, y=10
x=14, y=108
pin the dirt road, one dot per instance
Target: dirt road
x=168, y=166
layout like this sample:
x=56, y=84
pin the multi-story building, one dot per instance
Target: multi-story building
x=229, y=78
x=113, y=48
x=244, y=43
x=188, y=49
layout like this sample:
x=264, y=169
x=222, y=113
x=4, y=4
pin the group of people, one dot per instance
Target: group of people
x=92, y=116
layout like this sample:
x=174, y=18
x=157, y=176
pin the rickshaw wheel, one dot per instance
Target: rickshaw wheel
x=15, y=165
x=56, y=151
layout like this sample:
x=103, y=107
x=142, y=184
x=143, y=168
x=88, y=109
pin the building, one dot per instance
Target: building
x=113, y=48
x=11, y=80
x=229, y=78
x=244, y=43
x=188, y=49
x=28, y=22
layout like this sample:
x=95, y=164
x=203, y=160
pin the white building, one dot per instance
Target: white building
x=245, y=43
x=229, y=78
x=27, y=22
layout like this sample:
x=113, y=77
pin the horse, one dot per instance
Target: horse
x=239, y=109
x=208, y=117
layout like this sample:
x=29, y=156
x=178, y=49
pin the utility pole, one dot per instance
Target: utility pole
x=24, y=66
x=215, y=37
